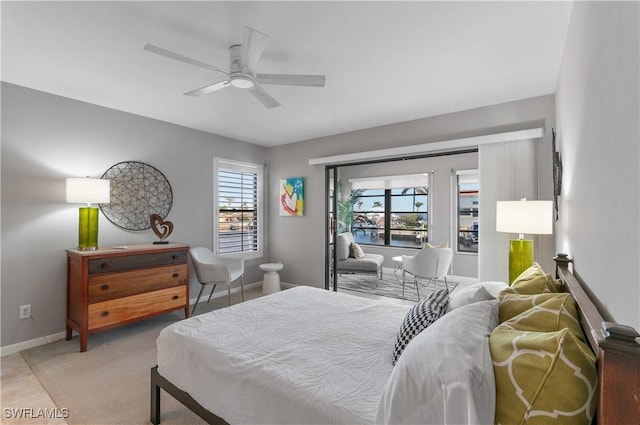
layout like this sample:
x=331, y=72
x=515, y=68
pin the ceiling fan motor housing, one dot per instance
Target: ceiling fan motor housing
x=240, y=76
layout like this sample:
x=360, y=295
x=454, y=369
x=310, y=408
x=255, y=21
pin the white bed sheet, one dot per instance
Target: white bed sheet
x=300, y=356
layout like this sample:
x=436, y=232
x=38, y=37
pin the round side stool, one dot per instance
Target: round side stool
x=271, y=282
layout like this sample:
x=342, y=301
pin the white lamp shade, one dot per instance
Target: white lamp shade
x=530, y=217
x=88, y=191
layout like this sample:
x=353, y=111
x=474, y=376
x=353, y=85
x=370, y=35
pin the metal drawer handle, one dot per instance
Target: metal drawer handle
x=104, y=266
x=175, y=297
x=105, y=313
x=104, y=287
x=176, y=274
x=174, y=257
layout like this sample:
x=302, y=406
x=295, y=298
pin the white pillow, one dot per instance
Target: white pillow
x=481, y=291
x=355, y=251
x=494, y=287
x=445, y=374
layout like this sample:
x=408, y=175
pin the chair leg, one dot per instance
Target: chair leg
x=418, y=289
x=228, y=294
x=197, y=299
x=403, y=278
x=213, y=289
x=242, y=287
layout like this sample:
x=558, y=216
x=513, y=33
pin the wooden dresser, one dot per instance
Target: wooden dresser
x=110, y=287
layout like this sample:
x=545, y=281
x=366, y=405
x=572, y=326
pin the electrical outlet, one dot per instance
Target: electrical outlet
x=25, y=311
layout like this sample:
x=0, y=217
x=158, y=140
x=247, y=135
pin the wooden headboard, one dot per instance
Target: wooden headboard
x=617, y=348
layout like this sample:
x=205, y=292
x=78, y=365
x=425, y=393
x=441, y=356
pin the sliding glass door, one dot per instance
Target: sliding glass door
x=394, y=207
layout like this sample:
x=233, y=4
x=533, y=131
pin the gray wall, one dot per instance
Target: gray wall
x=597, y=108
x=299, y=241
x=46, y=138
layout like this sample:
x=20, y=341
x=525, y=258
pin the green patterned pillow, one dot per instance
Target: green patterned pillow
x=551, y=312
x=534, y=281
x=512, y=304
x=534, y=271
x=543, y=378
x=539, y=285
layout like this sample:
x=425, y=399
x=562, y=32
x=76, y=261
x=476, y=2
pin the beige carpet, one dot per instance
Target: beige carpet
x=109, y=383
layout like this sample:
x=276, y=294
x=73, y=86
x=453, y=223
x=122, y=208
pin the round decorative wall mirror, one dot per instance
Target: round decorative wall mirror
x=138, y=190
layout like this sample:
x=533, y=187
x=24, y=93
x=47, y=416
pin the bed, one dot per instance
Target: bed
x=248, y=364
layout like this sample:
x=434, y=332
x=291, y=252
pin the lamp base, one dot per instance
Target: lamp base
x=520, y=257
x=87, y=248
x=88, y=229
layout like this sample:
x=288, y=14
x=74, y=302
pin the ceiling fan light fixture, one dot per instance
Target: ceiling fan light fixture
x=242, y=82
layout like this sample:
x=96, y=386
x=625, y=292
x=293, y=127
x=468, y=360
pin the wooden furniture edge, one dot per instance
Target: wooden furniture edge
x=145, y=248
x=617, y=349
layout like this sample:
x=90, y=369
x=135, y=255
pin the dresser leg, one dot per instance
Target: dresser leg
x=83, y=340
x=69, y=333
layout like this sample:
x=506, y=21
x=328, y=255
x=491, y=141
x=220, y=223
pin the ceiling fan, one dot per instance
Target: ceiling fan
x=243, y=60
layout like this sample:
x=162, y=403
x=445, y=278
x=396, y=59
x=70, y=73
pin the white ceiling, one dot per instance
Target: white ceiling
x=385, y=62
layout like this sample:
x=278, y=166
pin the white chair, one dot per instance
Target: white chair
x=212, y=270
x=429, y=263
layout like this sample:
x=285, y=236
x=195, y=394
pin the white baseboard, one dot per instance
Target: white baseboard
x=222, y=293
x=15, y=348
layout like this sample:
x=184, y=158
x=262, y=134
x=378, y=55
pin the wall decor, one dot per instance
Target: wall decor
x=557, y=173
x=162, y=228
x=137, y=191
x=292, y=196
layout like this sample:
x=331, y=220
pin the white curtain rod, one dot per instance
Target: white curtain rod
x=433, y=147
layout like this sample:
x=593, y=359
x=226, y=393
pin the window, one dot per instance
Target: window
x=391, y=211
x=408, y=216
x=468, y=210
x=238, y=221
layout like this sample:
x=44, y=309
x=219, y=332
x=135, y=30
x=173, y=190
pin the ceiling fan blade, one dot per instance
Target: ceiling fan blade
x=265, y=98
x=292, y=80
x=209, y=88
x=253, y=45
x=176, y=56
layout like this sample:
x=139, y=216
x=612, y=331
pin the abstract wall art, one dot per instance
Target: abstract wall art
x=292, y=196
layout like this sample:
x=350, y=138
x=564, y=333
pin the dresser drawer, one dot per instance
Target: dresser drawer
x=108, y=286
x=130, y=262
x=112, y=312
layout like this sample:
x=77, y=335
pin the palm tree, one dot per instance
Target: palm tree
x=418, y=204
x=416, y=191
x=345, y=207
x=377, y=204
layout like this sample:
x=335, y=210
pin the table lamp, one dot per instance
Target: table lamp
x=88, y=191
x=530, y=217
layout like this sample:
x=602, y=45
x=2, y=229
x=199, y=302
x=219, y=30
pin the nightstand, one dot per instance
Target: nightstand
x=111, y=287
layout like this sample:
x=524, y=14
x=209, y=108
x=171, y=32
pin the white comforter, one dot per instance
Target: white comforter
x=300, y=356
